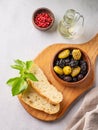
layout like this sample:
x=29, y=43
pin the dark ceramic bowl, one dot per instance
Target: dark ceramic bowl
x=77, y=83
x=45, y=10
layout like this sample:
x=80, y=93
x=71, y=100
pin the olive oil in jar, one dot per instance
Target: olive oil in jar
x=71, y=26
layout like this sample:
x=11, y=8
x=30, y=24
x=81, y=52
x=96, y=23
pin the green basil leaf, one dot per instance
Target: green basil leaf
x=31, y=76
x=17, y=67
x=11, y=81
x=29, y=65
x=20, y=62
x=19, y=86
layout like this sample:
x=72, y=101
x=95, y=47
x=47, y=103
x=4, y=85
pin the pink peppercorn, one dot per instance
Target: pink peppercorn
x=43, y=19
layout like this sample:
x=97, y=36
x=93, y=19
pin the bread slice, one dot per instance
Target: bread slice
x=43, y=87
x=34, y=100
x=48, y=91
x=36, y=70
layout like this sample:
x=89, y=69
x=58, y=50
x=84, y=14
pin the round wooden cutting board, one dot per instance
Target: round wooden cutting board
x=70, y=94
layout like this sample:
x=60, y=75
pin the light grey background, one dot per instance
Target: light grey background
x=19, y=39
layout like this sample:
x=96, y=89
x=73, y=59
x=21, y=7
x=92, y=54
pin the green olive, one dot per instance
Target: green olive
x=76, y=53
x=67, y=70
x=64, y=54
x=58, y=70
x=75, y=71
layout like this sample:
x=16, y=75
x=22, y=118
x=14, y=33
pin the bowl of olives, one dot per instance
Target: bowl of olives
x=70, y=65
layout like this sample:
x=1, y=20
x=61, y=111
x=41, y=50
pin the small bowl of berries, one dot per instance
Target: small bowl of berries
x=70, y=66
x=43, y=19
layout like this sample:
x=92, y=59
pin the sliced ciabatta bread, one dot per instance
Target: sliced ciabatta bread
x=43, y=87
x=36, y=70
x=34, y=100
x=48, y=91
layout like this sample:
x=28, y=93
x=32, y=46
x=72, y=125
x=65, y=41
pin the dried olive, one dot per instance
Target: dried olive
x=73, y=63
x=58, y=70
x=62, y=63
x=67, y=70
x=75, y=71
x=64, y=54
x=83, y=72
x=67, y=61
x=83, y=67
x=75, y=79
x=67, y=78
x=57, y=62
x=82, y=62
x=62, y=76
x=80, y=76
x=76, y=53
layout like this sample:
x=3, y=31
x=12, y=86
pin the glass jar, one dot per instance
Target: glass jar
x=71, y=26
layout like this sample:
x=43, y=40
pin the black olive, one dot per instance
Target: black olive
x=83, y=72
x=80, y=76
x=75, y=79
x=83, y=67
x=83, y=62
x=62, y=63
x=62, y=76
x=67, y=78
x=67, y=60
x=73, y=63
x=56, y=63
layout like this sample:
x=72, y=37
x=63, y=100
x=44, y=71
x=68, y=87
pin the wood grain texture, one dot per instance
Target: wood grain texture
x=70, y=94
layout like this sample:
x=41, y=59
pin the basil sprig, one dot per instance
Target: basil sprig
x=19, y=84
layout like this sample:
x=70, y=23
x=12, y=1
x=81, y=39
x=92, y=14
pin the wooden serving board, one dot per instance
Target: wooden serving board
x=70, y=94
